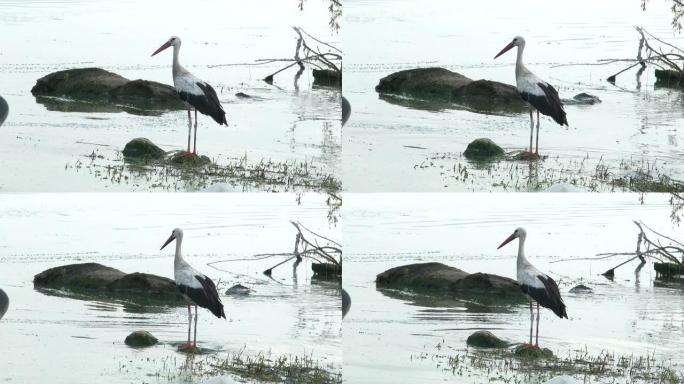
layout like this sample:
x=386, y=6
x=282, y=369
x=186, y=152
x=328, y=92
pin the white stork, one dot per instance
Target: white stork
x=537, y=93
x=196, y=288
x=196, y=94
x=535, y=284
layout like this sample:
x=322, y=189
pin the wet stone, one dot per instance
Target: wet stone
x=142, y=148
x=585, y=98
x=483, y=149
x=531, y=352
x=186, y=159
x=486, y=339
x=581, y=289
x=238, y=290
x=140, y=339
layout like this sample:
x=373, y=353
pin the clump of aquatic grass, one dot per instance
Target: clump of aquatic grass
x=277, y=369
x=262, y=367
x=479, y=365
x=239, y=173
x=586, y=173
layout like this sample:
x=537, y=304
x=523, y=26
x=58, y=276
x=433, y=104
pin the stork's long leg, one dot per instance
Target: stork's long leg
x=189, y=128
x=531, y=127
x=536, y=149
x=531, y=320
x=195, y=144
x=189, y=322
x=536, y=341
x=194, y=344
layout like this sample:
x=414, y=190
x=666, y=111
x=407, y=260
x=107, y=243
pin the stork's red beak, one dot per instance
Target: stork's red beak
x=163, y=47
x=508, y=240
x=171, y=238
x=506, y=48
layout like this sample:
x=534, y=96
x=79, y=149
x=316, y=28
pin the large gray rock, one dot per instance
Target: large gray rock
x=483, y=149
x=148, y=93
x=79, y=83
x=142, y=148
x=327, y=77
x=442, y=85
x=78, y=276
x=99, y=85
x=140, y=339
x=669, y=78
x=438, y=278
x=99, y=279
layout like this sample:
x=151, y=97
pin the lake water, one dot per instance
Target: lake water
x=65, y=340
x=394, y=148
x=391, y=337
x=42, y=148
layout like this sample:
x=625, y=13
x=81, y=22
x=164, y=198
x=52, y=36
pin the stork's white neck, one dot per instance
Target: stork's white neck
x=522, y=260
x=519, y=69
x=179, y=258
x=176, y=70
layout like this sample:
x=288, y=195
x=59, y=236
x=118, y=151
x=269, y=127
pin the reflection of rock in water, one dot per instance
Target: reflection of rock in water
x=4, y=303
x=4, y=110
x=346, y=303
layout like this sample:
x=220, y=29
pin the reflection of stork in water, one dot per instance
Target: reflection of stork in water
x=538, y=94
x=4, y=303
x=196, y=288
x=4, y=110
x=535, y=284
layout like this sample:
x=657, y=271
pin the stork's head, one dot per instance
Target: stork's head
x=174, y=41
x=175, y=234
x=518, y=41
x=518, y=233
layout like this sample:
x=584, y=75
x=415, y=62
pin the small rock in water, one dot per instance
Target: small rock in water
x=140, y=339
x=486, y=339
x=238, y=290
x=581, y=289
x=482, y=149
x=532, y=352
x=585, y=98
x=243, y=95
x=142, y=148
x=189, y=160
